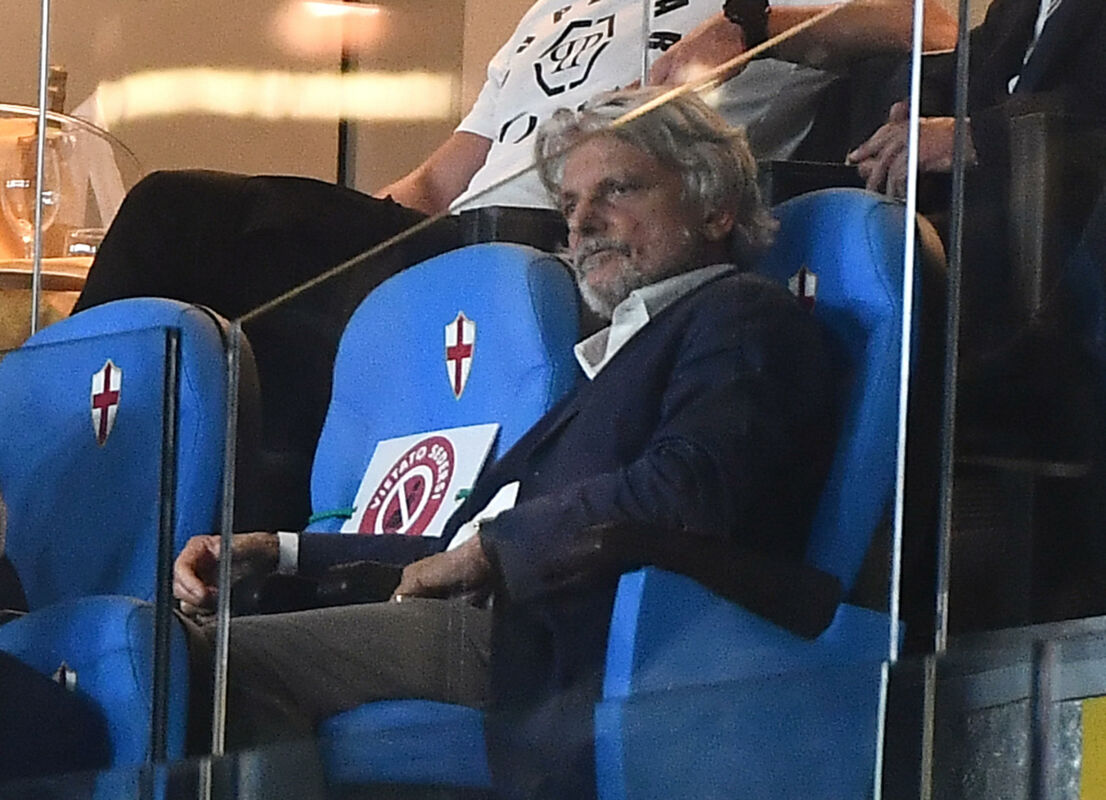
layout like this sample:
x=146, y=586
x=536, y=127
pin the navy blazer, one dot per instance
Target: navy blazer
x=1063, y=75
x=714, y=423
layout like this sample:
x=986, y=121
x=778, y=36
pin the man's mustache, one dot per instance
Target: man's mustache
x=591, y=247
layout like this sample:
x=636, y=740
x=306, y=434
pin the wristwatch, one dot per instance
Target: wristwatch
x=752, y=16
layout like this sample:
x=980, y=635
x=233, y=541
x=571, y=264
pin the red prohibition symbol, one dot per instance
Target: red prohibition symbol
x=412, y=490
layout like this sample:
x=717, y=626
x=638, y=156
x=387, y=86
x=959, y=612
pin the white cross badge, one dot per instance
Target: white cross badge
x=460, y=341
x=107, y=384
x=804, y=285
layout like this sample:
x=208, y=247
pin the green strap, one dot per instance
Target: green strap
x=338, y=513
x=346, y=513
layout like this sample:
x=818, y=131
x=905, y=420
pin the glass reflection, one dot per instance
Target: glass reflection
x=1024, y=521
x=294, y=341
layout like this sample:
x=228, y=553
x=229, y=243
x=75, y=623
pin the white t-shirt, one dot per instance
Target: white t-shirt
x=565, y=51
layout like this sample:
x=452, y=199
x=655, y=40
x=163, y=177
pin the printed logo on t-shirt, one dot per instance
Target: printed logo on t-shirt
x=567, y=63
x=662, y=40
x=662, y=7
x=518, y=127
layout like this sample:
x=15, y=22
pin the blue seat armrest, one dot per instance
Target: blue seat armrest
x=667, y=631
x=106, y=644
x=406, y=741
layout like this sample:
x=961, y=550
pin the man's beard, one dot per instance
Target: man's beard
x=603, y=299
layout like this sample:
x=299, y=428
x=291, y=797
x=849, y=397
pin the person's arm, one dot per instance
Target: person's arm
x=441, y=179
x=862, y=29
x=435, y=183
x=463, y=569
x=195, y=571
x=882, y=159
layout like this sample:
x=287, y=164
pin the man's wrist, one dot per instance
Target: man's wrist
x=751, y=16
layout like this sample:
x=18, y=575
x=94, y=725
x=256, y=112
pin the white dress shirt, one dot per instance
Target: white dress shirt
x=632, y=314
x=1043, y=13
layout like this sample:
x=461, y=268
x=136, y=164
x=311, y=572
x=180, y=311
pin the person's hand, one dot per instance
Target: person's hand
x=443, y=574
x=713, y=42
x=882, y=160
x=195, y=572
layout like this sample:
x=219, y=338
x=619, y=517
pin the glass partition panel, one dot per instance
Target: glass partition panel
x=802, y=733
x=365, y=92
x=1026, y=518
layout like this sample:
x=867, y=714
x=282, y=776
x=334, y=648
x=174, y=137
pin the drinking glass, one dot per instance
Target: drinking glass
x=18, y=188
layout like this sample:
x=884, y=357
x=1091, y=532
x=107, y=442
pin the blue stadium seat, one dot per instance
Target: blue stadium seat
x=83, y=506
x=702, y=698
x=392, y=378
x=81, y=468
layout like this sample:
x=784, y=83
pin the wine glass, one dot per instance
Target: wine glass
x=18, y=187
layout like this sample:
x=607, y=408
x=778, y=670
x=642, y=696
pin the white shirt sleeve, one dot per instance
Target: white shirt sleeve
x=289, y=559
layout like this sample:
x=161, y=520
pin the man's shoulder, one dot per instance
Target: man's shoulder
x=742, y=293
x=742, y=309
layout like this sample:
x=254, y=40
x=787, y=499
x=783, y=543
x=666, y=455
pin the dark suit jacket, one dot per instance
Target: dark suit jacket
x=714, y=422
x=1064, y=74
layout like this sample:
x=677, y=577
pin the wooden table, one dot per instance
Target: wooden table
x=62, y=281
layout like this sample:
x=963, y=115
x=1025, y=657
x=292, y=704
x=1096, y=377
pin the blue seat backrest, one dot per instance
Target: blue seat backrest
x=392, y=376
x=852, y=243
x=83, y=516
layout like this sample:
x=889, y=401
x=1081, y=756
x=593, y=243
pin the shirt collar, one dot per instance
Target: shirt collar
x=632, y=314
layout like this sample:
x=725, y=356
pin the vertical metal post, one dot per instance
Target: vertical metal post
x=646, y=26
x=948, y=415
x=907, y=324
x=347, y=130
x=1045, y=662
x=163, y=609
x=952, y=332
x=904, y=379
x=222, y=629
x=40, y=159
x=929, y=724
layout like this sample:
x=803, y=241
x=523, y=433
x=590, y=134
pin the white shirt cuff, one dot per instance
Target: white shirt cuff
x=289, y=560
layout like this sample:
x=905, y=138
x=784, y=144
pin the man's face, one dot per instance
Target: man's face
x=628, y=224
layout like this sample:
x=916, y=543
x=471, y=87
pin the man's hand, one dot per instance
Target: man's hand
x=443, y=574
x=711, y=43
x=195, y=572
x=882, y=159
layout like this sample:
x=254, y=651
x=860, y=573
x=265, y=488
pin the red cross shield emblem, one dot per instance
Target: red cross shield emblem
x=460, y=341
x=804, y=285
x=104, y=399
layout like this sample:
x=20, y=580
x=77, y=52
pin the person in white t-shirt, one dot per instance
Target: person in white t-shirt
x=234, y=242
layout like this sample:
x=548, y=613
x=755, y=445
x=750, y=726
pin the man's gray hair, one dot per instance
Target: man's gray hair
x=711, y=156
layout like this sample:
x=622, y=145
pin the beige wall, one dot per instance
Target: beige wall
x=488, y=23
x=108, y=39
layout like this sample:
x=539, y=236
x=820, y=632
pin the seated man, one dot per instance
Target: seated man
x=702, y=422
x=1026, y=56
x=1029, y=391
x=233, y=243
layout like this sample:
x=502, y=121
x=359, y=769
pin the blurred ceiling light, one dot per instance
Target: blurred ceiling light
x=322, y=8
x=321, y=28
x=375, y=96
